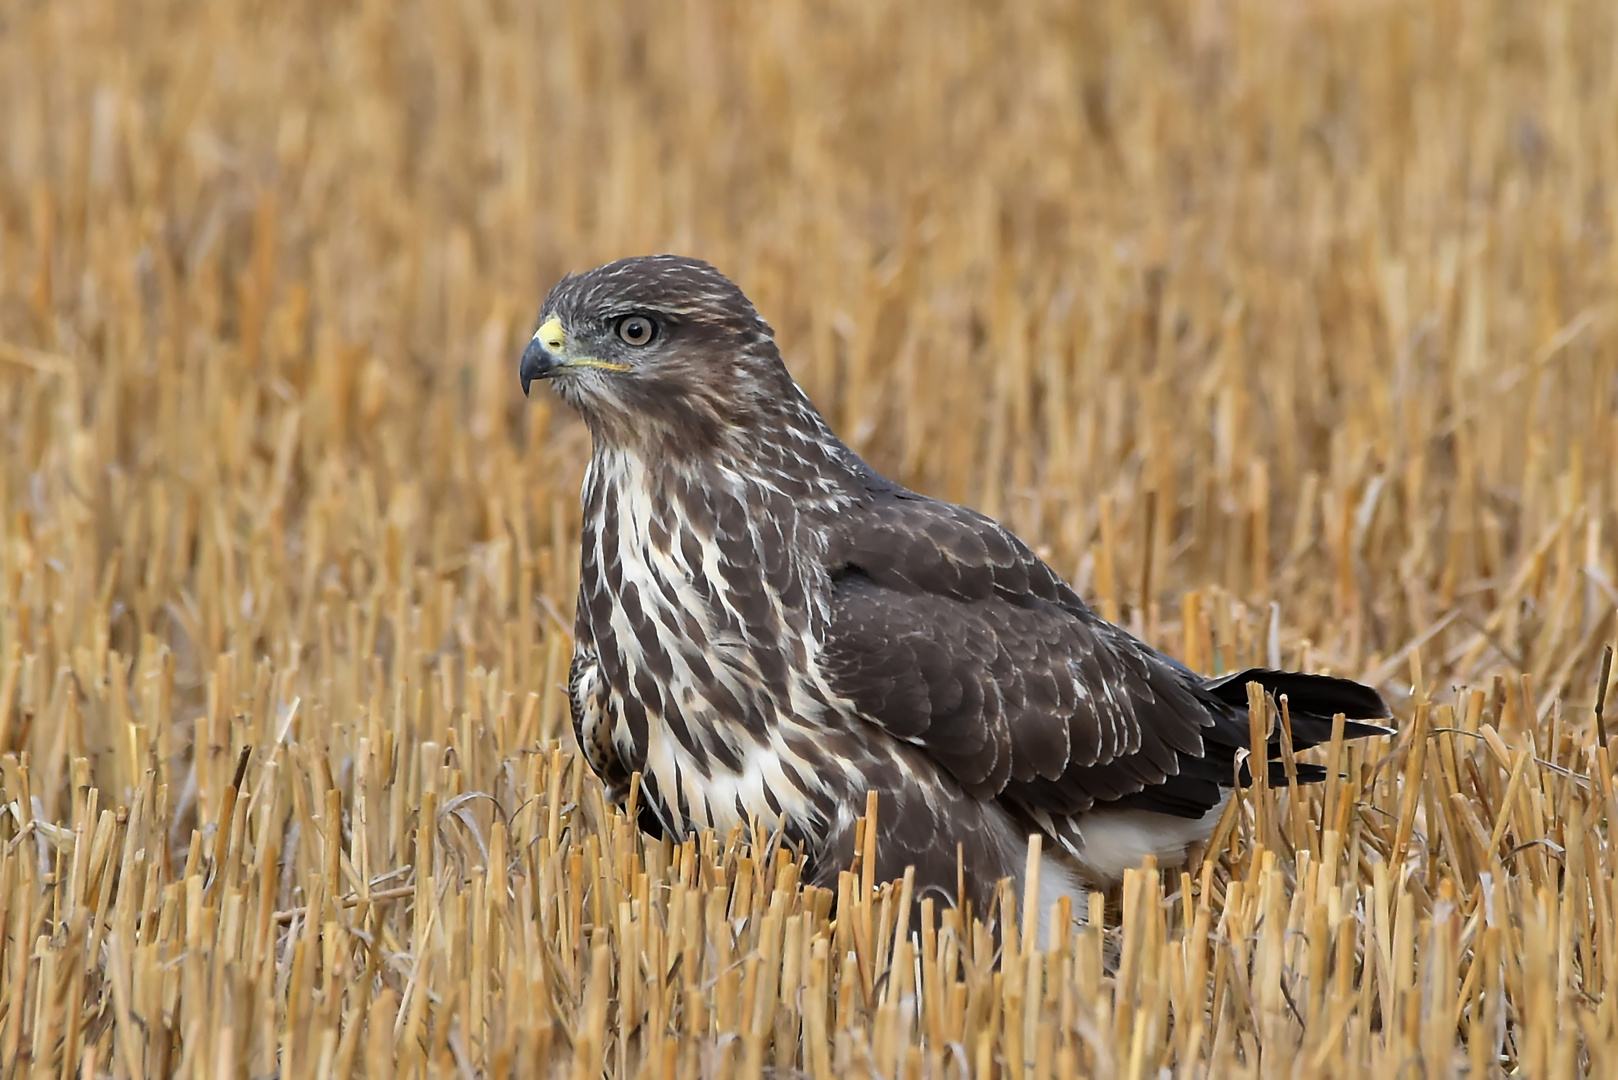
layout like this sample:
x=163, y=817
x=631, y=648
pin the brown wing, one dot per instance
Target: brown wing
x=949, y=633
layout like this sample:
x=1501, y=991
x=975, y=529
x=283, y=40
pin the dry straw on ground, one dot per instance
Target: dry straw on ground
x=1301, y=311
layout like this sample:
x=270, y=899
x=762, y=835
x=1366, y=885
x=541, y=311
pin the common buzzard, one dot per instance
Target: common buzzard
x=767, y=627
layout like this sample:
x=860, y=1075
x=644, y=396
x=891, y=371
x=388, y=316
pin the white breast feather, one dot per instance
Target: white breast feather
x=712, y=800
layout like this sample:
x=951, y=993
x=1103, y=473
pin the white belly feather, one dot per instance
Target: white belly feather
x=715, y=795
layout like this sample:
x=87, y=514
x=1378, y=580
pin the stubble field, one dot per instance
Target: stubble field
x=1285, y=329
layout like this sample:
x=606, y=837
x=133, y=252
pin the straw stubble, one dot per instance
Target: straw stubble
x=1219, y=305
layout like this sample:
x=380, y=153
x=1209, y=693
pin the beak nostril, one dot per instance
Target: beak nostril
x=551, y=336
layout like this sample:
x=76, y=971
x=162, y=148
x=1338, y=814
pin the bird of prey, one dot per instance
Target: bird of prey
x=768, y=629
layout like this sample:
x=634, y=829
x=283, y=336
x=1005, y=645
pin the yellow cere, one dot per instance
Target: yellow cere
x=551, y=336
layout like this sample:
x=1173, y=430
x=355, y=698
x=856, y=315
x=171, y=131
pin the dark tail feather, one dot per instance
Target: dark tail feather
x=1312, y=701
x=1307, y=774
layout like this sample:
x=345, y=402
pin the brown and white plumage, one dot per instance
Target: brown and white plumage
x=767, y=627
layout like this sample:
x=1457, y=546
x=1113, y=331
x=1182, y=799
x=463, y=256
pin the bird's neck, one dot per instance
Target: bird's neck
x=792, y=457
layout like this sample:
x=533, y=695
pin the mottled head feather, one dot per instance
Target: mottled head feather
x=673, y=284
x=711, y=372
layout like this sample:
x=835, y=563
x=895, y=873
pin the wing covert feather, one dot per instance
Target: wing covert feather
x=949, y=633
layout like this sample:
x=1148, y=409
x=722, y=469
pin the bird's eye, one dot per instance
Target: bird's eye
x=637, y=329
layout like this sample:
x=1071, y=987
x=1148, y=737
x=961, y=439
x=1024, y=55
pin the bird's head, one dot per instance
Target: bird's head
x=656, y=346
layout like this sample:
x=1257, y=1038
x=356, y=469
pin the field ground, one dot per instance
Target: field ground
x=1286, y=329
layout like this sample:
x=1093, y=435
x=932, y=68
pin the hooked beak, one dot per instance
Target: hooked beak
x=541, y=360
x=537, y=363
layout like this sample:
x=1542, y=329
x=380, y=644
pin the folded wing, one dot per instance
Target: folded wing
x=947, y=632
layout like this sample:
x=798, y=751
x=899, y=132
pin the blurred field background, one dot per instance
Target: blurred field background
x=1285, y=328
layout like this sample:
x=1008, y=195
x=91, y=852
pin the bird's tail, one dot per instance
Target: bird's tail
x=1312, y=701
